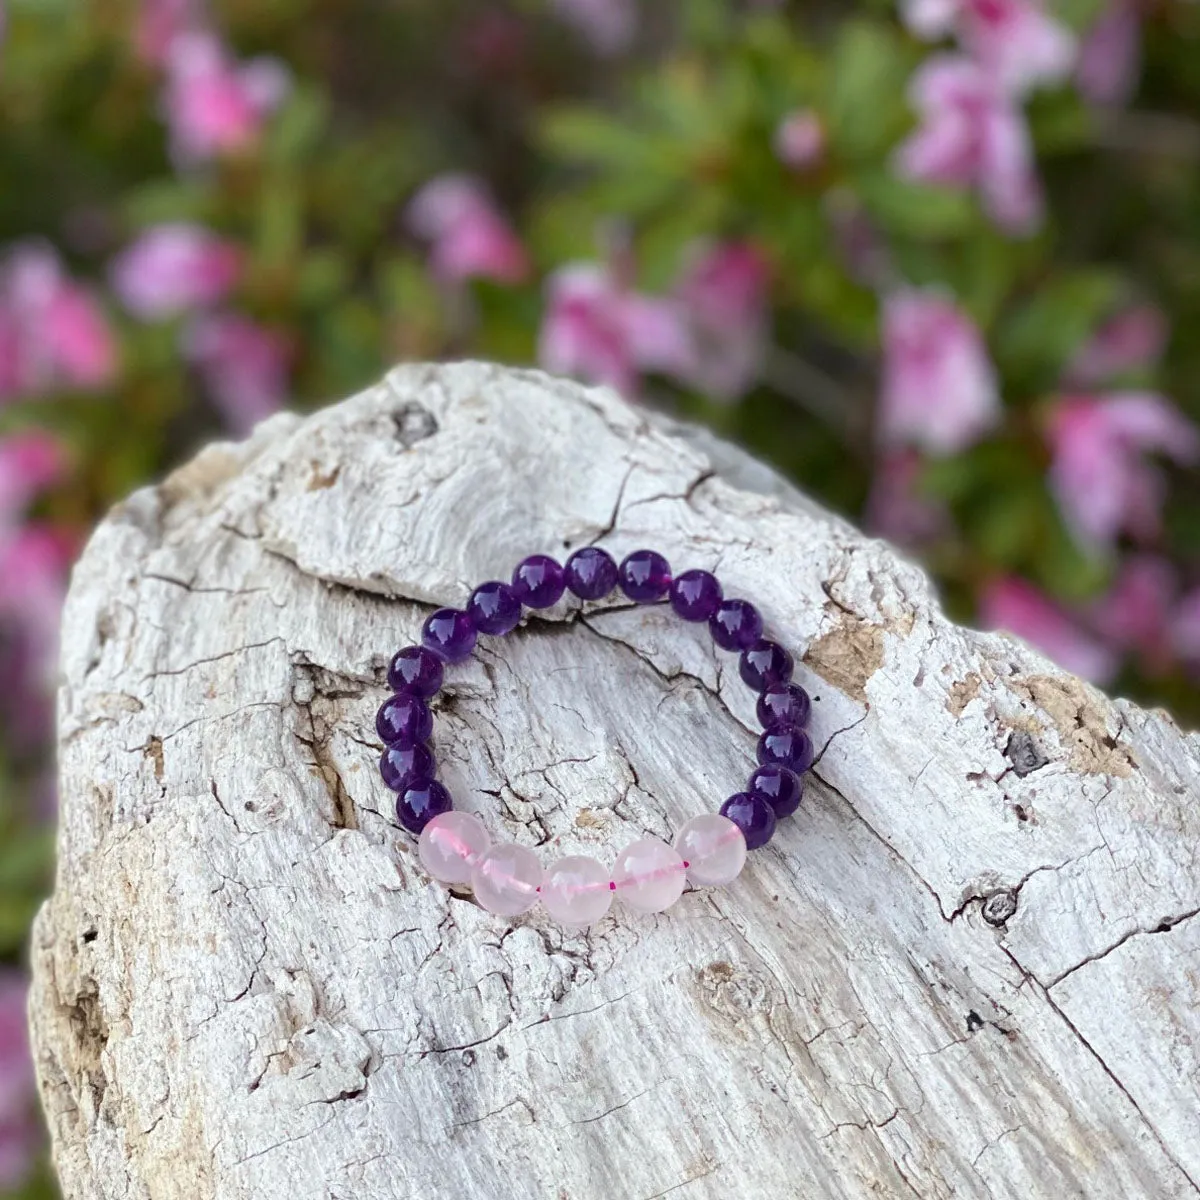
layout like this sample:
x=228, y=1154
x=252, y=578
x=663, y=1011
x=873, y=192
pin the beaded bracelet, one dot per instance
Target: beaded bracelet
x=649, y=875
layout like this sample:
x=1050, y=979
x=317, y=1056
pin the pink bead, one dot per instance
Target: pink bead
x=649, y=875
x=506, y=879
x=576, y=891
x=451, y=844
x=713, y=848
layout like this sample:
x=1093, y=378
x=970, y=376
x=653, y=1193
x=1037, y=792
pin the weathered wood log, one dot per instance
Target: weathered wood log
x=968, y=967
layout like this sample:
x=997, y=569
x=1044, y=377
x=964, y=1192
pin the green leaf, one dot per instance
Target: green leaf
x=868, y=73
x=917, y=210
x=296, y=131
x=1036, y=342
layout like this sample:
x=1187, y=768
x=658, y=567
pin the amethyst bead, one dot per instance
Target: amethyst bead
x=735, y=625
x=753, y=815
x=539, y=581
x=591, y=573
x=645, y=576
x=415, y=671
x=786, y=705
x=403, y=720
x=449, y=634
x=781, y=788
x=494, y=608
x=402, y=766
x=791, y=748
x=695, y=595
x=417, y=805
x=765, y=665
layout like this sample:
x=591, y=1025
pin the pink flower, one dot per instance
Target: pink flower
x=800, y=139
x=608, y=25
x=896, y=510
x=159, y=23
x=173, y=268
x=600, y=331
x=1099, y=474
x=1135, y=614
x=972, y=134
x=1014, y=41
x=214, y=105
x=1018, y=607
x=723, y=291
x=468, y=236
x=1126, y=342
x=34, y=560
x=29, y=463
x=53, y=332
x=244, y=367
x=939, y=387
x=20, y=1140
x=1110, y=59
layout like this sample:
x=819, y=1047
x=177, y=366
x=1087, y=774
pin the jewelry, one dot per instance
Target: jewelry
x=648, y=875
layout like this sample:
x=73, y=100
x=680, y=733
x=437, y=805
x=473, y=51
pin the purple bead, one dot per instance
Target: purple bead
x=449, y=634
x=539, y=581
x=781, y=788
x=765, y=665
x=645, y=576
x=403, y=720
x=417, y=805
x=402, y=766
x=791, y=748
x=736, y=625
x=494, y=608
x=785, y=705
x=695, y=595
x=415, y=671
x=591, y=573
x=753, y=815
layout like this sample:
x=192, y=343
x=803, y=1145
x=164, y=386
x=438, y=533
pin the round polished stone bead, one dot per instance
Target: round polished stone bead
x=645, y=576
x=712, y=848
x=451, y=844
x=420, y=802
x=403, y=720
x=753, y=815
x=765, y=665
x=695, y=595
x=791, y=748
x=449, y=634
x=781, y=788
x=494, y=608
x=402, y=766
x=506, y=879
x=649, y=875
x=591, y=573
x=736, y=624
x=415, y=671
x=539, y=581
x=576, y=890
x=788, y=704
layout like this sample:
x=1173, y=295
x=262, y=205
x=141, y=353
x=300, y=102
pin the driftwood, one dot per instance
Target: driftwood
x=968, y=967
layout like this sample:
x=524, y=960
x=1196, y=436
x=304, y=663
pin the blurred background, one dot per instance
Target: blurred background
x=938, y=260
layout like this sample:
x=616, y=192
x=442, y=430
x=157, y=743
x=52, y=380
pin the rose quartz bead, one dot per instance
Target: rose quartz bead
x=576, y=890
x=506, y=879
x=649, y=875
x=713, y=848
x=451, y=844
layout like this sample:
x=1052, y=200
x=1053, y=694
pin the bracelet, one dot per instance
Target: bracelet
x=649, y=874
